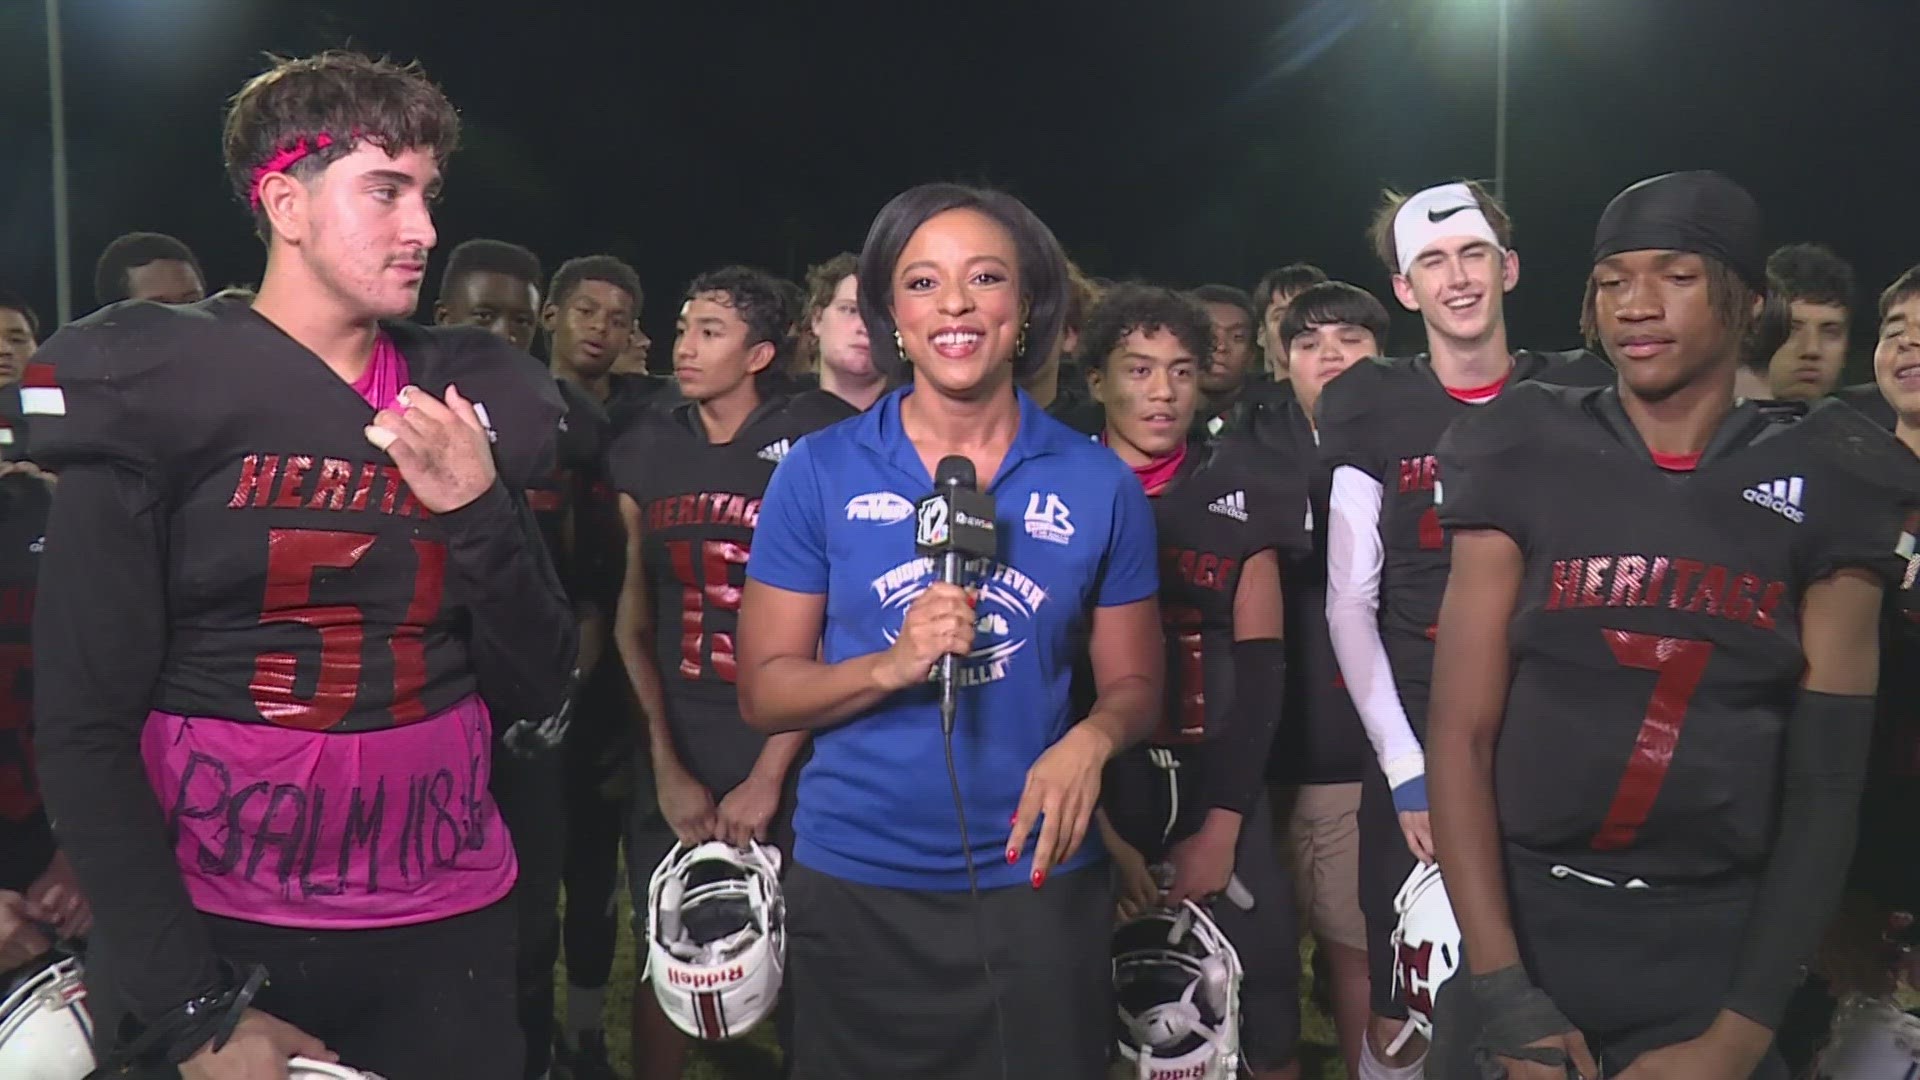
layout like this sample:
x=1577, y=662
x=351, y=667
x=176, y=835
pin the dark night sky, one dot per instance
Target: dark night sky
x=1180, y=141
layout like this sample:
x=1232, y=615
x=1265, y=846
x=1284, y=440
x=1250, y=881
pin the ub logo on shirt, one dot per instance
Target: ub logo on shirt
x=1050, y=522
x=1008, y=602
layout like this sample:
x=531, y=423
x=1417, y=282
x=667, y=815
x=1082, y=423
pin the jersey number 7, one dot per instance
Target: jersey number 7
x=1678, y=663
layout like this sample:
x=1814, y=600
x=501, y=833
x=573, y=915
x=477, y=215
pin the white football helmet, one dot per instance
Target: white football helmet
x=46, y=1031
x=716, y=937
x=1872, y=1039
x=1176, y=980
x=1426, y=949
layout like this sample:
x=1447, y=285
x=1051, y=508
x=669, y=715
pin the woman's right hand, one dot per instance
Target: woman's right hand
x=939, y=622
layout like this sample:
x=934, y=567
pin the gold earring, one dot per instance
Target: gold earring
x=1020, y=343
x=899, y=346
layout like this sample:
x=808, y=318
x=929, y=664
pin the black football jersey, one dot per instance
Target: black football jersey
x=1655, y=643
x=306, y=584
x=1883, y=864
x=698, y=504
x=628, y=396
x=1384, y=417
x=26, y=843
x=1322, y=740
x=1230, y=501
x=556, y=496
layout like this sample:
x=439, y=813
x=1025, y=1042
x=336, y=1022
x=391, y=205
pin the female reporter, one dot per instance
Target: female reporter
x=895, y=970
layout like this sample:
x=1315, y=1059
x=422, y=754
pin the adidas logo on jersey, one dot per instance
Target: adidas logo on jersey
x=1781, y=496
x=1233, y=504
x=775, y=451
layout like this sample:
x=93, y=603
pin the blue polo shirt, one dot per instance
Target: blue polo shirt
x=1076, y=533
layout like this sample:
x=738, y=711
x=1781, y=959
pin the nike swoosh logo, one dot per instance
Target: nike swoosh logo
x=1437, y=216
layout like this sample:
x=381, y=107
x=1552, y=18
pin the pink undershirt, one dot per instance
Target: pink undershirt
x=334, y=831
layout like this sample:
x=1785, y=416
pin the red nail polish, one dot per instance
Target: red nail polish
x=1014, y=820
x=1012, y=856
x=1039, y=878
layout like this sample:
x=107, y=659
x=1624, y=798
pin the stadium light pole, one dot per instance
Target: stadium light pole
x=1499, y=108
x=62, y=242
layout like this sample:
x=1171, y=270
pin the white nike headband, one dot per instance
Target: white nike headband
x=1434, y=214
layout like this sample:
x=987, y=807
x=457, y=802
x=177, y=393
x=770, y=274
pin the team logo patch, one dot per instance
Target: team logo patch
x=1049, y=520
x=1008, y=603
x=1233, y=504
x=879, y=507
x=1781, y=496
x=774, y=451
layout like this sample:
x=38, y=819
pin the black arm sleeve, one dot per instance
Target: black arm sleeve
x=1828, y=738
x=99, y=635
x=1236, y=762
x=523, y=640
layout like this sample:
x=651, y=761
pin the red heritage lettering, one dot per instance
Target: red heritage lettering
x=1418, y=474
x=1625, y=581
x=331, y=492
x=256, y=479
x=290, y=480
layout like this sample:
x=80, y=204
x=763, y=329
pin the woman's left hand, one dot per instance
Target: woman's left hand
x=1063, y=787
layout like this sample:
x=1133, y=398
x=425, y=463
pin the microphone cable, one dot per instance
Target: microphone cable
x=973, y=890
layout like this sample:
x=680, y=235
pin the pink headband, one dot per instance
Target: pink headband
x=283, y=159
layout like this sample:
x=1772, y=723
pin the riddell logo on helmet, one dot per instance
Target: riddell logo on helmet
x=1190, y=1072
x=706, y=980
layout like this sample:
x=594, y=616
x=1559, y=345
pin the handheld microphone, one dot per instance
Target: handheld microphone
x=953, y=524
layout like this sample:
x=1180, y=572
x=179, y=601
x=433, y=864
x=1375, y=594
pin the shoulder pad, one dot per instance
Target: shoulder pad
x=818, y=408
x=1353, y=391
x=1514, y=420
x=1854, y=444
x=1866, y=398
x=522, y=405
x=97, y=385
x=1574, y=367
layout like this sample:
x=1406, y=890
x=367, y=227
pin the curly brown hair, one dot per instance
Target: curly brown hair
x=347, y=96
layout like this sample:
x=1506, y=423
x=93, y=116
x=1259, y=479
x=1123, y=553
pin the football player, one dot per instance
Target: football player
x=1193, y=795
x=19, y=337
x=1656, y=661
x=289, y=584
x=1230, y=365
x=1818, y=285
x=690, y=479
x=590, y=317
x=495, y=285
x=39, y=895
x=1276, y=290
x=839, y=335
x=148, y=266
x=1319, y=758
x=1449, y=250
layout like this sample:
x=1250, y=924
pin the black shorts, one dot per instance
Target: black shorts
x=422, y=1002
x=889, y=983
x=1634, y=970
x=1139, y=796
x=1385, y=862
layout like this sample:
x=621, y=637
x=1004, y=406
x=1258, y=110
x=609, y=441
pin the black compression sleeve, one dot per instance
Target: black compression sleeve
x=523, y=639
x=99, y=634
x=1828, y=739
x=1236, y=761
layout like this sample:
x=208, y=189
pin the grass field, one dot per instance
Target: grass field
x=1319, y=1054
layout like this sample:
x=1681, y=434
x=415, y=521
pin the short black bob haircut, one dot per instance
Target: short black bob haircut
x=1334, y=303
x=1133, y=306
x=1042, y=269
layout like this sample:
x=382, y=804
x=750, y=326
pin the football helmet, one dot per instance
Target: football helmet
x=1871, y=1039
x=1426, y=949
x=46, y=1032
x=1176, y=981
x=716, y=937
